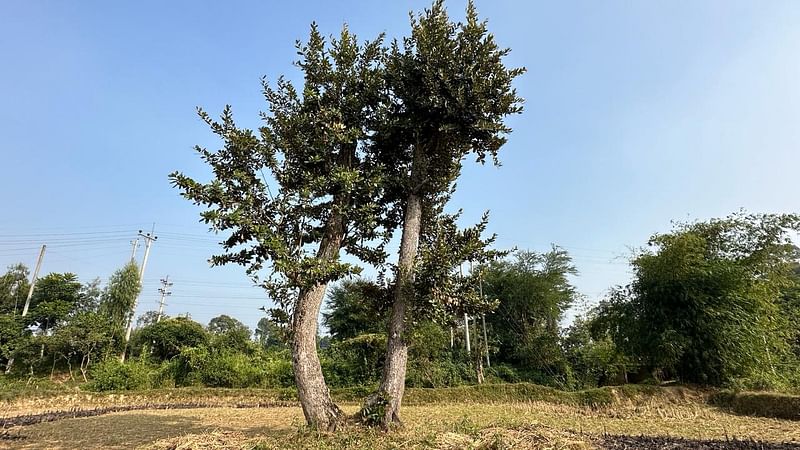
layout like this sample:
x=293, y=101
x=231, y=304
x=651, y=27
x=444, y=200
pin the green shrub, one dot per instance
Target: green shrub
x=227, y=368
x=425, y=373
x=761, y=404
x=355, y=361
x=167, y=338
x=113, y=375
x=278, y=367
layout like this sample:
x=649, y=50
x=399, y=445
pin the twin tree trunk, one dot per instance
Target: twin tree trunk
x=315, y=398
x=393, y=382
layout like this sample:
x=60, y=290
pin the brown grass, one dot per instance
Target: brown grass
x=445, y=426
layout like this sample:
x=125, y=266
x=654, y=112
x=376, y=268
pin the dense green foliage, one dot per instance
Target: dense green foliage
x=709, y=301
x=533, y=292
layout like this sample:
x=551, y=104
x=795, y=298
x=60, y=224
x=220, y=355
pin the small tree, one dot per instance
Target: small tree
x=229, y=333
x=120, y=295
x=534, y=291
x=167, y=338
x=356, y=307
x=13, y=289
x=83, y=340
x=270, y=335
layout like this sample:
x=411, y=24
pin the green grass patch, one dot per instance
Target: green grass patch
x=14, y=388
x=508, y=392
x=760, y=404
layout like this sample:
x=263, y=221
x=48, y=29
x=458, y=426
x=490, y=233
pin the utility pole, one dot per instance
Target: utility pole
x=164, y=290
x=135, y=244
x=452, y=338
x=483, y=319
x=466, y=319
x=30, y=294
x=466, y=332
x=33, y=281
x=149, y=238
x=485, y=340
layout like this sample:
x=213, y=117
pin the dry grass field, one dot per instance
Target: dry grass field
x=442, y=425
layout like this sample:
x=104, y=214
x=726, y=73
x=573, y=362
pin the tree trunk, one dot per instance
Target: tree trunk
x=319, y=410
x=393, y=382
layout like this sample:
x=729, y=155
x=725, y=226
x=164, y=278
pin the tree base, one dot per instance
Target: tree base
x=379, y=410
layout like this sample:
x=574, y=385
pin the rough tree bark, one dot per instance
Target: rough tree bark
x=393, y=382
x=315, y=398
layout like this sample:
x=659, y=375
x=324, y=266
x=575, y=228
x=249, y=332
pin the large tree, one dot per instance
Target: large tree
x=451, y=94
x=301, y=190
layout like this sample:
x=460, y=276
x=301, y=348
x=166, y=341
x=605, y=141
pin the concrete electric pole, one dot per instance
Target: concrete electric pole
x=33, y=281
x=164, y=290
x=149, y=238
x=10, y=362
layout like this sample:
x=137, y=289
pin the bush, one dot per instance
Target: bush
x=761, y=404
x=448, y=372
x=167, y=338
x=209, y=367
x=355, y=361
x=113, y=375
x=505, y=373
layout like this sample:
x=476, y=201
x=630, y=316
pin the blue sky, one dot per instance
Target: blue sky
x=637, y=113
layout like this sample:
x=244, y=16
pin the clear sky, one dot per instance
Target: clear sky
x=637, y=113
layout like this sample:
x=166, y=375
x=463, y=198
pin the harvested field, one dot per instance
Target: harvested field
x=673, y=421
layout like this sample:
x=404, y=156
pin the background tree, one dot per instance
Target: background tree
x=55, y=297
x=356, y=307
x=149, y=318
x=704, y=305
x=230, y=333
x=270, y=335
x=322, y=195
x=13, y=289
x=13, y=330
x=120, y=294
x=86, y=338
x=451, y=93
x=534, y=291
x=167, y=338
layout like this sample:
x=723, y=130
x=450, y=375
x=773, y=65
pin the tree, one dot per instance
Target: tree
x=86, y=337
x=704, y=305
x=356, y=307
x=13, y=335
x=594, y=359
x=89, y=297
x=13, y=328
x=149, y=318
x=270, y=335
x=534, y=291
x=13, y=289
x=790, y=306
x=451, y=93
x=229, y=333
x=55, y=297
x=167, y=338
x=322, y=194
x=120, y=295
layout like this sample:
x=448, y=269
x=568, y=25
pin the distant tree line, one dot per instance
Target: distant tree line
x=713, y=303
